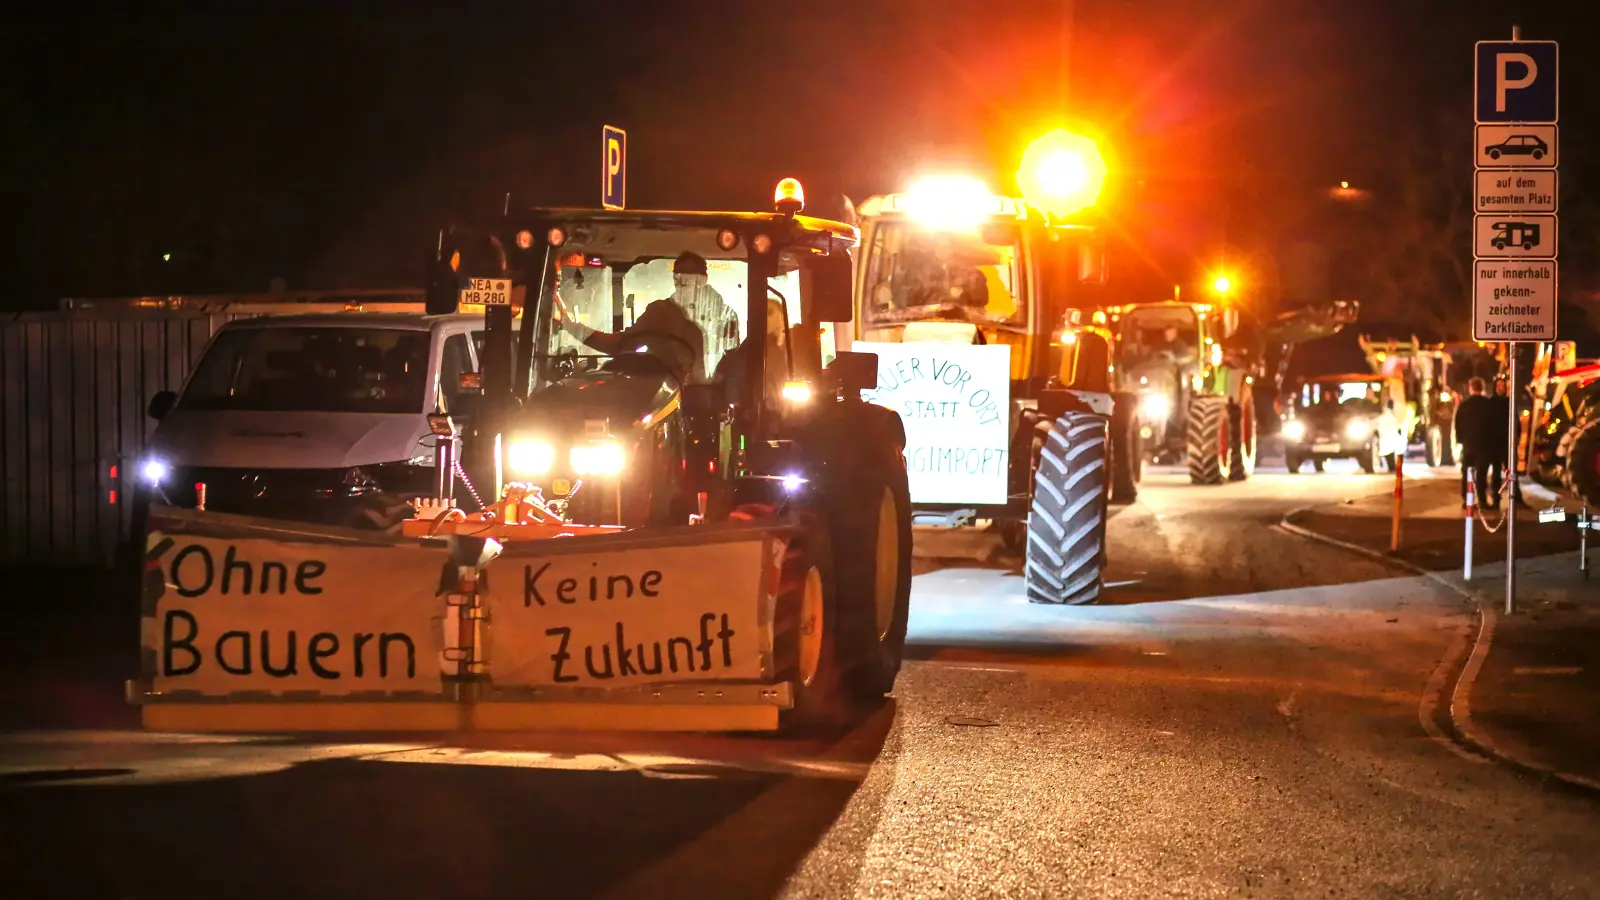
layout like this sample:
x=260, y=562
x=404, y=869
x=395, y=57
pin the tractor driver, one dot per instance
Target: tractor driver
x=665, y=330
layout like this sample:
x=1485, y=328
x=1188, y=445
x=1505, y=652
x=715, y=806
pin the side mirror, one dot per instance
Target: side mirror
x=830, y=283
x=855, y=372
x=161, y=404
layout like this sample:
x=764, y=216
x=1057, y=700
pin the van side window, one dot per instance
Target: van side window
x=452, y=363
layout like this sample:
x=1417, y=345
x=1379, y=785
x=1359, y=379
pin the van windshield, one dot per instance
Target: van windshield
x=312, y=369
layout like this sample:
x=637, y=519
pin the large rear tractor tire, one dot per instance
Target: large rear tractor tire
x=1583, y=463
x=1127, y=449
x=1207, y=438
x=1242, y=437
x=870, y=517
x=1067, y=522
x=805, y=626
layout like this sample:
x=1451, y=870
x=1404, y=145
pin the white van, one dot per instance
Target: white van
x=316, y=418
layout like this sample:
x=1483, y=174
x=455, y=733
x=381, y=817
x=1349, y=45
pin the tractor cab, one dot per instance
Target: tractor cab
x=644, y=361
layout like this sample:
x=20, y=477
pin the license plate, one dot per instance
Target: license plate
x=1325, y=448
x=487, y=291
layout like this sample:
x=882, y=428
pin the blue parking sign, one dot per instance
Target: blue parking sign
x=1516, y=81
x=613, y=167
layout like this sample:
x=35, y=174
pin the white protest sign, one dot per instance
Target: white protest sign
x=632, y=616
x=255, y=614
x=955, y=402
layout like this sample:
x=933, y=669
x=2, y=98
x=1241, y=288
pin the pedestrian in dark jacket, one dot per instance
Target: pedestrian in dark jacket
x=1499, y=469
x=1474, y=424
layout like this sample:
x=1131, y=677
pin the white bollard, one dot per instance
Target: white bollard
x=1466, y=563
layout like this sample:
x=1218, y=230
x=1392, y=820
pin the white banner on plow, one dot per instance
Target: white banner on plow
x=601, y=615
x=261, y=614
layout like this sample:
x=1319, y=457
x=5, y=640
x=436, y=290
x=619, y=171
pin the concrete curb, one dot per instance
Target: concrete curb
x=1469, y=740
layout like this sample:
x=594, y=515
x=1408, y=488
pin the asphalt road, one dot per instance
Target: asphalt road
x=1244, y=716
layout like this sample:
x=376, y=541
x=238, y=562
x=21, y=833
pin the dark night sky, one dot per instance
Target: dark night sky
x=324, y=141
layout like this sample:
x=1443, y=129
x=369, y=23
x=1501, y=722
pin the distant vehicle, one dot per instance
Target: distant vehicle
x=318, y=417
x=1351, y=416
x=1518, y=145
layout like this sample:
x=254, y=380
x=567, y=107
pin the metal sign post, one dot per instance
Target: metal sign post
x=1517, y=101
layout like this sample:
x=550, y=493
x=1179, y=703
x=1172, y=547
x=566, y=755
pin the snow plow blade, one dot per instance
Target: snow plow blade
x=257, y=625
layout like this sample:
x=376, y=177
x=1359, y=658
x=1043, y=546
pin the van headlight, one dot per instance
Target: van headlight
x=1294, y=430
x=1156, y=407
x=1357, y=429
x=529, y=456
x=597, y=459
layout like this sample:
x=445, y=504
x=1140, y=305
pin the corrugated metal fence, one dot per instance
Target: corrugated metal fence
x=73, y=408
x=73, y=402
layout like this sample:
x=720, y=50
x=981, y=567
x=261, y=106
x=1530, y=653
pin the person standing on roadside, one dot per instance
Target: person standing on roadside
x=1501, y=468
x=1474, y=424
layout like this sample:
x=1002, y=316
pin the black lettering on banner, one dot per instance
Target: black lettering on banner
x=305, y=572
x=647, y=670
x=648, y=582
x=705, y=640
x=243, y=640
x=611, y=587
x=170, y=642
x=360, y=644
x=672, y=653
x=177, y=567
x=383, y=653
x=588, y=661
x=267, y=568
x=725, y=634
x=289, y=668
x=624, y=656
x=564, y=589
x=561, y=655
x=230, y=564
x=315, y=654
x=530, y=585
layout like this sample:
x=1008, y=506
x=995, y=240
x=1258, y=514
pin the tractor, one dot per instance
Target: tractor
x=1430, y=411
x=969, y=300
x=1194, y=367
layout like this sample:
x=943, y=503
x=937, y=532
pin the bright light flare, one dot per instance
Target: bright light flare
x=1062, y=173
x=530, y=457
x=1358, y=429
x=155, y=471
x=597, y=459
x=797, y=392
x=1222, y=284
x=1294, y=430
x=1156, y=407
x=949, y=202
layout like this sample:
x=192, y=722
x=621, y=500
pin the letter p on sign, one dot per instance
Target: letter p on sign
x=1517, y=81
x=614, y=167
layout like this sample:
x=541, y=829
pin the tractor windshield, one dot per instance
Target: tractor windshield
x=650, y=303
x=915, y=272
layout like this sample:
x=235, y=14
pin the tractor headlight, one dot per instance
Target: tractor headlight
x=597, y=459
x=154, y=471
x=1155, y=406
x=530, y=457
x=1357, y=429
x=1294, y=430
